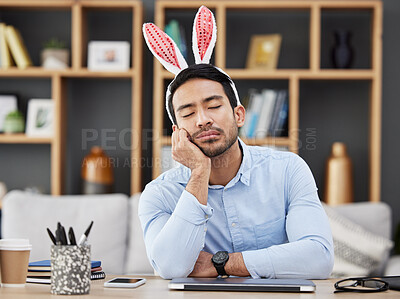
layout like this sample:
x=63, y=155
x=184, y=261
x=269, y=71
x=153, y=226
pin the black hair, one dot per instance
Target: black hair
x=201, y=71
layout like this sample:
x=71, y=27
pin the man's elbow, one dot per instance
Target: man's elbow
x=322, y=267
x=168, y=268
x=171, y=271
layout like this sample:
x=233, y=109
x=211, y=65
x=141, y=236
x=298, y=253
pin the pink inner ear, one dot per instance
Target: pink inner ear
x=162, y=44
x=204, y=28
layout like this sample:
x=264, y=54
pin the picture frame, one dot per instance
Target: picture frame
x=8, y=103
x=108, y=56
x=264, y=51
x=40, y=120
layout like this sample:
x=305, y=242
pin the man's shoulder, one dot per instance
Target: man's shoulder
x=260, y=154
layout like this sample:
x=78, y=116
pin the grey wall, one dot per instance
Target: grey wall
x=320, y=102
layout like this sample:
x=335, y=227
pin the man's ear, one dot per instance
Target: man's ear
x=239, y=113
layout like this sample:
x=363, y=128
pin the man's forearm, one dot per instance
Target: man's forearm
x=198, y=184
x=236, y=266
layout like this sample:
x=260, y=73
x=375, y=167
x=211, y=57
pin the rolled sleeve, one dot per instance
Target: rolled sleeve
x=189, y=209
x=258, y=259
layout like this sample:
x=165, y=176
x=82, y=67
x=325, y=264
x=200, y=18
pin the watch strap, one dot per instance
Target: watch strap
x=221, y=269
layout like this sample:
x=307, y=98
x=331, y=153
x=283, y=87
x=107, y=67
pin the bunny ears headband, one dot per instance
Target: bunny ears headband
x=166, y=51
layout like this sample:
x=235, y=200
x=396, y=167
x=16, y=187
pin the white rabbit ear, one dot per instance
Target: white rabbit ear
x=204, y=35
x=164, y=48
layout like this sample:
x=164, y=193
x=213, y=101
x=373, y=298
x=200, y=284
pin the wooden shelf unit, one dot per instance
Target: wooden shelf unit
x=78, y=69
x=293, y=76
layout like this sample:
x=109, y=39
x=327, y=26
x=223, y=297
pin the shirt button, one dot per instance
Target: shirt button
x=205, y=229
x=233, y=224
x=206, y=217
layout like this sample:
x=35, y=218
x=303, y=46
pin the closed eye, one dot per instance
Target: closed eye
x=187, y=115
x=215, y=107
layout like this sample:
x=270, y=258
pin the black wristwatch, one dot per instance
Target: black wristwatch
x=219, y=260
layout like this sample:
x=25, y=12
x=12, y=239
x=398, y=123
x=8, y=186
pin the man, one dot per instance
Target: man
x=229, y=208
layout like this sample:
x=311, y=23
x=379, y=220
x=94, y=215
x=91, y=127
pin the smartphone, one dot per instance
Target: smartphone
x=124, y=282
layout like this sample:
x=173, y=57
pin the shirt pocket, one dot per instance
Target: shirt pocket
x=270, y=233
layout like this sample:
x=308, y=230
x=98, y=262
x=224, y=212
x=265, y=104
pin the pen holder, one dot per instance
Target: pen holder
x=70, y=269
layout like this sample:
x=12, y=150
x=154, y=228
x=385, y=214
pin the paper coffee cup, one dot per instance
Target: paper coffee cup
x=14, y=260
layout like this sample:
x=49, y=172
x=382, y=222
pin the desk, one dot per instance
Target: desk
x=158, y=288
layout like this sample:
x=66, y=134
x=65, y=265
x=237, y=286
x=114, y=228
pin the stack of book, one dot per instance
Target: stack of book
x=12, y=48
x=266, y=114
x=40, y=272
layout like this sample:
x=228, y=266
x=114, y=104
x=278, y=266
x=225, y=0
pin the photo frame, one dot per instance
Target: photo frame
x=108, y=56
x=40, y=120
x=264, y=51
x=8, y=103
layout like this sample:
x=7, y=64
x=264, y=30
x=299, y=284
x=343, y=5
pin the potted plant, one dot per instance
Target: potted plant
x=14, y=122
x=55, y=55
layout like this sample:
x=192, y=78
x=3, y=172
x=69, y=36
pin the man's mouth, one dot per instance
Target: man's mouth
x=206, y=135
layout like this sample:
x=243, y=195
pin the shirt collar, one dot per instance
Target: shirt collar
x=244, y=170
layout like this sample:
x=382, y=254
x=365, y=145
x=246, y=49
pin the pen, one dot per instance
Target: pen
x=63, y=236
x=71, y=236
x=85, y=235
x=53, y=239
x=58, y=242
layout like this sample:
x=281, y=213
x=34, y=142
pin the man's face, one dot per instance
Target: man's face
x=202, y=108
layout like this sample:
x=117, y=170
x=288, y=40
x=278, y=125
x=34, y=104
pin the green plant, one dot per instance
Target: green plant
x=14, y=115
x=54, y=43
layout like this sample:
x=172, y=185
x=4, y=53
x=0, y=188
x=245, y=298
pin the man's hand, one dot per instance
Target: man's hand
x=186, y=152
x=204, y=266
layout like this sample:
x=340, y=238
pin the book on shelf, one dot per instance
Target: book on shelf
x=276, y=126
x=266, y=114
x=17, y=47
x=249, y=102
x=5, y=55
x=268, y=97
x=46, y=279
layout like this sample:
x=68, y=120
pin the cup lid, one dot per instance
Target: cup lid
x=15, y=244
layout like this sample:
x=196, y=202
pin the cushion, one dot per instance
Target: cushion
x=358, y=252
x=137, y=261
x=27, y=215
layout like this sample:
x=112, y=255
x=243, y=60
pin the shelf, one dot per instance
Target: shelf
x=39, y=72
x=326, y=74
x=77, y=22
x=43, y=4
x=22, y=138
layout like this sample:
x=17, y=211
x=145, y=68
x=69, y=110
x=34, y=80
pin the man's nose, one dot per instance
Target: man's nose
x=203, y=119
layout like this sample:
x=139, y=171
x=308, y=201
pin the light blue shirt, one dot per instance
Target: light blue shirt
x=270, y=212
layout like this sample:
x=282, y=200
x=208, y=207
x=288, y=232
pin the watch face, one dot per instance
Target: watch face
x=220, y=257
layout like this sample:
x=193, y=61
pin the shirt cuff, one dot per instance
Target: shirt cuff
x=258, y=263
x=189, y=209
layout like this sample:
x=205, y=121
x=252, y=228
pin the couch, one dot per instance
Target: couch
x=117, y=239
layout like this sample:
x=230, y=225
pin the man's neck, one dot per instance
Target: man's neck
x=225, y=167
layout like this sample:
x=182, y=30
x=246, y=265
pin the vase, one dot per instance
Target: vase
x=338, y=176
x=342, y=52
x=55, y=58
x=14, y=125
x=97, y=172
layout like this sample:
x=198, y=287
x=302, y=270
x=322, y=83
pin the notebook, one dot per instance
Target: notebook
x=45, y=265
x=242, y=284
x=47, y=279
